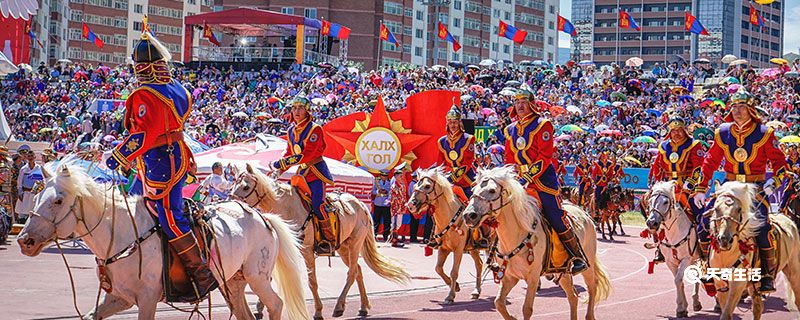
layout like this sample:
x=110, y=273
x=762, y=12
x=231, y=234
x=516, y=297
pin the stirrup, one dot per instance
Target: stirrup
x=324, y=248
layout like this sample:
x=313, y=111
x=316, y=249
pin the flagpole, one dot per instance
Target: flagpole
x=83, y=20
x=380, y=46
x=617, y=38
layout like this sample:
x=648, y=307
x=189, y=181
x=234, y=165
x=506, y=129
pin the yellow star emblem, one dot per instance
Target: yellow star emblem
x=132, y=145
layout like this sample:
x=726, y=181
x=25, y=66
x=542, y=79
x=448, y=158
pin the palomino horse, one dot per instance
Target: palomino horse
x=732, y=217
x=522, y=238
x=355, y=231
x=679, y=246
x=246, y=243
x=433, y=190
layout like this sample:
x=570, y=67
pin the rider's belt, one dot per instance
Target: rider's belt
x=680, y=175
x=748, y=178
x=311, y=162
x=173, y=136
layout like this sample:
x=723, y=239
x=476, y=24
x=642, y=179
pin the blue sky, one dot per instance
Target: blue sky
x=791, y=20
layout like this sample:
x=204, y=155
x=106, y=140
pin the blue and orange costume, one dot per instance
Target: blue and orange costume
x=457, y=154
x=583, y=176
x=747, y=149
x=305, y=148
x=154, y=118
x=604, y=172
x=793, y=159
x=529, y=146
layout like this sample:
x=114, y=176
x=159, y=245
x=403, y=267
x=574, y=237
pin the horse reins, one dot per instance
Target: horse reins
x=428, y=201
x=492, y=212
x=259, y=197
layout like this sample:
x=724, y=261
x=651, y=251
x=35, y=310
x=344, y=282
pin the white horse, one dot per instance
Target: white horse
x=733, y=217
x=498, y=195
x=680, y=246
x=249, y=247
x=435, y=191
x=355, y=231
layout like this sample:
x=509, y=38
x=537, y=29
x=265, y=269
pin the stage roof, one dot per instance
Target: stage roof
x=244, y=19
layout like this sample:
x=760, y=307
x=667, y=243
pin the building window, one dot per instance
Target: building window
x=550, y=40
x=408, y=12
x=457, y=5
x=418, y=51
x=418, y=33
x=494, y=46
x=310, y=13
x=419, y=15
x=287, y=10
x=407, y=31
x=506, y=48
x=455, y=56
x=496, y=13
x=137, y=8
x=553, y=9
x=137, y=25
x=550, y=25
x=456, y=23
x=507, y=15
x=393, y=8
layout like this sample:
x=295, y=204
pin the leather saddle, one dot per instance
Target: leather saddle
x=300, y=186
x=557, y=258
x=178, y=286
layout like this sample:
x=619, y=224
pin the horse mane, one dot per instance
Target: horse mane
x=437, y=174
x=525, y=209
x=664, y=187
x=746, y=194
x=266, y=185
x=94, y=194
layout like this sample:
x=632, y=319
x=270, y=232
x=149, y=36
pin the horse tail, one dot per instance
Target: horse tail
x=384, y=266
x=289, y=269
x=603, y=283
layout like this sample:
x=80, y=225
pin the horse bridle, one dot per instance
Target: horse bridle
x=492, y=210
x=728, y=217
x=55, y=224
x=661, y=214
x=436, y=194
x=259, y=197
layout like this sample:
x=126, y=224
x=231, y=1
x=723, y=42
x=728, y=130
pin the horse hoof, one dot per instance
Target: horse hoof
x=449, y=301
x=338, y=313
x=697, y=307
x=717, y=309
x=475, y=296
x=683, y=314
x=458, y=288
x=362, y=313
x=259, y=316
x=318, y=318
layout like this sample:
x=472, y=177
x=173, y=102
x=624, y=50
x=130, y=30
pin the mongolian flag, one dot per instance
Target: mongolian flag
x=444, y=34
x=693, y=25
x=33, y=36
x=566, y=26
x=511, y=32
x=387, y=35
x=208, y=34
x=755, y=18
x=89, y=35
x=626, y=21
x=335, y=30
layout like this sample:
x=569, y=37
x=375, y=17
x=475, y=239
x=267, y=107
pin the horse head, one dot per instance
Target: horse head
x=660, y=204
x=431, y=185
x=497, y=191
x=733, y=214
x=56, y=209
x=251, y=186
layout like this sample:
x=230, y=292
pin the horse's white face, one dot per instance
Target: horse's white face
x=486, y=194
x=52, y=216
x=660, y=205
x=244, y=189
x=423, y=194
x=726, y=217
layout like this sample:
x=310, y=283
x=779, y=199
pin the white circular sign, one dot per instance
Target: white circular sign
x=378, y=149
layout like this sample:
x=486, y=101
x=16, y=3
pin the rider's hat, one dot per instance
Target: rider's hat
x=743, y=97
x=523, y=94
x=151, y=58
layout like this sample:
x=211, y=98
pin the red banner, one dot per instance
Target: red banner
x=381, y=140
x=14, y=40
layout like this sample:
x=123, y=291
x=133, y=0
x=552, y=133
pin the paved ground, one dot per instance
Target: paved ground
x=38, y=288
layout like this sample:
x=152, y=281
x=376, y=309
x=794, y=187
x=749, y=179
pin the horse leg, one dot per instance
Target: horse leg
x=758, y=303
x=572, y=296
x=147, y=304
x=457, y=255
x=345, y=252
x=680, y=300
x=362, y=291
x=308, y=255
x=590, y=280
x=109, y=306
x=506, y=284
x=607, y=220
x=440, y=270
x=618, y=221
x=731, y=299
x=793, y=279
x=530, y=294
x=475, y=254
x=696, y=305
x=237, y=301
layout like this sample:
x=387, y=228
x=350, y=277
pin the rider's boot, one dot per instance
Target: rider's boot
x=195, y=264
x=577, y=258
x=659, y=256
x=769, y=264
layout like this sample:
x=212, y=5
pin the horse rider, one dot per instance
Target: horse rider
x=154, y=117
x=603, y=174
x=561, y=170
x=305, y=148
x=29, y=175
x=583, y=176
x=457, y=155
x=793, y=158
x=677, y=158
x=218, y=184
x=747, y=146
x=529, y=146
x=7, y=184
